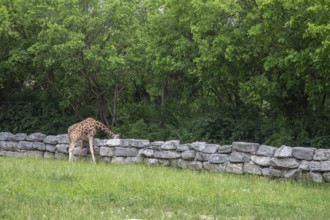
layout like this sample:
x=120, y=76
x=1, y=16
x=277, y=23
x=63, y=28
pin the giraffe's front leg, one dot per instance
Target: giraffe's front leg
x=71, y=146
x=90, y=139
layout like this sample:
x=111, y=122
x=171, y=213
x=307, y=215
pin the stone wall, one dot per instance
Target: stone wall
x=238, y=158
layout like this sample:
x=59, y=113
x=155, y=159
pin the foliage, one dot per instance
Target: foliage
x=191, y=70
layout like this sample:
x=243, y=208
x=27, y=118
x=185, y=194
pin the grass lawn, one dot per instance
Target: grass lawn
x=54, y=189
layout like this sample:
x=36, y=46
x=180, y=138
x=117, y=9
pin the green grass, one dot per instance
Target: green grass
x=52, y=189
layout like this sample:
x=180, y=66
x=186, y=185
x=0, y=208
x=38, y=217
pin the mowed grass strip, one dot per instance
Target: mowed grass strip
x=53, y=189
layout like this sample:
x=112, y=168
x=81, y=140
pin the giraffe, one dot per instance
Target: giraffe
x=85, y=131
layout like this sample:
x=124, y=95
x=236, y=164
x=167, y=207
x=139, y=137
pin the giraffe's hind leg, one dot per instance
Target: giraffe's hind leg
x=90, y=139
x=71, y=146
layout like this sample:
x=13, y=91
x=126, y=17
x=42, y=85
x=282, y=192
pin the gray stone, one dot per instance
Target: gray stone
x=151, y=161
x=261, y=160
x=113, y=142
x=107, y=151
x=39, y=146
x=118, y=160
x=48, y=155
x=322, y=154
x=167, y=154
x=50, y=148
x=265, y=150
x=6, y=136
x=265, y=171
x=156, y=145
x=304, y=165
x=133, y=160
x=195, y=165
x=225, y=149
x=234, y=168
x=188, y=155
x=146, y=152
x=285, y=162
x=326, y=176
x=140, y=143
x=315, y=166
x=164, y=162
x=170, y=145
x=99, y=142
x=77, y=151
x=62, y=148
x=62, y=139
x=239, y=157
x=14, y=154
x=125, y=152
x=214, y=167
x=283, y=152
x=303, y=153
x=182, y=163
x=275, y=172
x=205, y=148
x=38, y=137
x=202, y=156
x=60, y=156
x=51, y=139
x=183, y=147
x=316, y=177
x=246, y=147
x=292, y=173
x=218, y=158
x=20, y=137
x=24, y=145
x=325, y=165
x=8, y=145
x=252, y=169
x=35, y=154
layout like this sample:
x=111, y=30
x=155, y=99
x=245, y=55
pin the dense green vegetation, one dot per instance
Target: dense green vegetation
x=211, y=70
x=52, y=189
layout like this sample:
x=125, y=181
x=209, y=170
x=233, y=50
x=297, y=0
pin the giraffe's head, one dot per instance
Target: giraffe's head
x=115, y=136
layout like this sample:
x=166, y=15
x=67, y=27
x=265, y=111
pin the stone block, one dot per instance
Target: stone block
x=24, y=145
x=156, y=145
x=265, y=150
x=50, y=139
x=325, y=166
x=188, y=155
x=151, y=161
x=326, y=176
x=195, y=165
x=167, y=154
x=305, y=165
x=316, y=177
x=107, y=151
x=261, y=160
x=183, y=147
x=239, y=157
x=50, y=148
x=283, y=152
x=62, y=148
x=134, y=160
x=275, y=173
x=49, y=155
x=303, y=153
x=118, y=160
x=20, y=137
x=35, y=154
x=146, y=152
x=182, y=163
x=36, y=137
x=322, y=154
x=315, y=166
x=60, y=156
x=234, y=168
x=214, y=167
x=252, y=169
x=202, y=156
x=62, y=139
x=205, y=148
x=6, y=136
x=125, y=152
x=225, y=149
x=246, y=147
x=140, y=143
x=289, y=163
x=170, y=145
x=39, y=146
x=8, y=145
x=218, y=158
x=292, y=173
